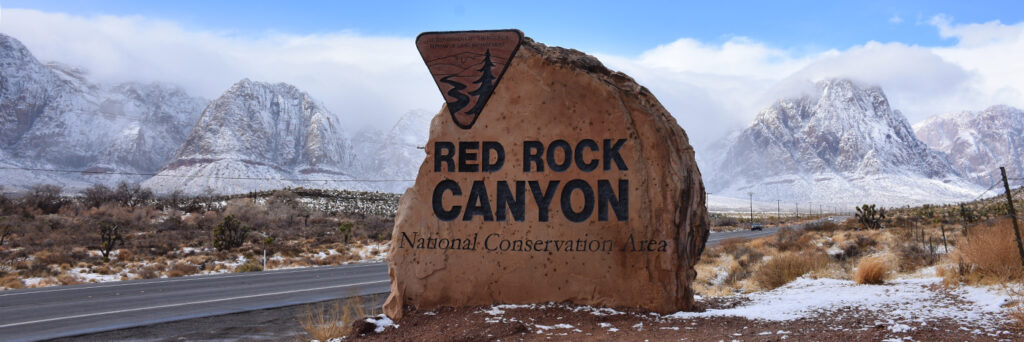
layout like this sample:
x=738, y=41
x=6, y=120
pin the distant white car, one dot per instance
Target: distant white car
x=756, y=226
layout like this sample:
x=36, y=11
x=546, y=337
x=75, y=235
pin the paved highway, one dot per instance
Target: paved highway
x=717, y=237
x=43, y=313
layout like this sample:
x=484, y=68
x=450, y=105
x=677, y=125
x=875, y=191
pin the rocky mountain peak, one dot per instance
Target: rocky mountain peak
x=978, y=142
x=269, y=124
x=844, y=132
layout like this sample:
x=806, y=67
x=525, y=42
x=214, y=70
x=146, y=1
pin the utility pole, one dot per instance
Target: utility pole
x=778, y=212
x=1013, y=215
x=752, y=210
x=798, y=210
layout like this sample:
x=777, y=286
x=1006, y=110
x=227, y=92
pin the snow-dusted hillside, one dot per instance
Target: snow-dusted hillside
x=52, y=117
x=978, y=143
x=843, y=145
x=396, y=155
x=259, y=136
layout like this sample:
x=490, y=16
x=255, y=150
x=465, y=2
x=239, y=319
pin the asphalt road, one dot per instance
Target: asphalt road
x=717, y=237
x=43, y=313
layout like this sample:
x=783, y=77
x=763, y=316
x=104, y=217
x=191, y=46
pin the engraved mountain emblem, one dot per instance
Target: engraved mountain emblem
x=467, y=66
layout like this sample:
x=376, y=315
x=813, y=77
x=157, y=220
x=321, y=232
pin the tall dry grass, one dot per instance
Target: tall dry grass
x=786, y=267
x=871, y=270
x=324, y=322
x=988, y=255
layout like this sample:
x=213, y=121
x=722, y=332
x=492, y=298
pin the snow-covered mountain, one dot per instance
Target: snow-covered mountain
x=396, y=155
x=256, y=136
x=52, y=117
x=259, y=136
x=979, y=142
x=841, y=145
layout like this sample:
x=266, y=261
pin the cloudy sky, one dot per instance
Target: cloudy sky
x=712, y=65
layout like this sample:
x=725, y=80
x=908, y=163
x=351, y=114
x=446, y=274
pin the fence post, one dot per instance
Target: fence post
x=1013, y=215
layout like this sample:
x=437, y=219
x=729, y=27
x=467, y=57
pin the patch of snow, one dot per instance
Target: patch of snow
x=382, y=322
x=905, y=300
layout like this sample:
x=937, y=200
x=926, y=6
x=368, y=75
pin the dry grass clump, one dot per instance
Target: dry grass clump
x=66, y=279
x=150, y=271
x=324, y=322
x=988, y=255
x=786, y=267
x=1015, y=308
x=251, y=266
x=11, y=281
x=792, y=240
x=182, y=269
x=871, y=270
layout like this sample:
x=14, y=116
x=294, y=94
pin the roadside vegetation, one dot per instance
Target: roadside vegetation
x=964, y=244
x=48, y=237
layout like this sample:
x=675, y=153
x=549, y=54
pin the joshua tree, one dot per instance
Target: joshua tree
x=345, y=228
x=870, y=217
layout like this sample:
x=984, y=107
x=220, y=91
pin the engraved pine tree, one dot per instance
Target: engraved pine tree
x=486, y=82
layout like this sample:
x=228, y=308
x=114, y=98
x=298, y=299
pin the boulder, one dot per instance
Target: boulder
x=573, y=185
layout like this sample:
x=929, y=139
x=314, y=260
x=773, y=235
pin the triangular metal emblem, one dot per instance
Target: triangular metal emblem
x=467, y=65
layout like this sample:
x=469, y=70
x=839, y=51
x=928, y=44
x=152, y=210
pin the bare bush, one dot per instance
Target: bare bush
x=96, y=196
x=110, y=236
x=132, y=195
x=44, y=197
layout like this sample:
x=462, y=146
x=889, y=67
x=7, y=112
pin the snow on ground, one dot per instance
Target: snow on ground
x=374, y=251
x=903, y=302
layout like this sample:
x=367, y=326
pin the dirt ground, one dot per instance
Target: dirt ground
x=575, y=323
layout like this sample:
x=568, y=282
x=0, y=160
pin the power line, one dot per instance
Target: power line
x=986, y=191
x=94, y=172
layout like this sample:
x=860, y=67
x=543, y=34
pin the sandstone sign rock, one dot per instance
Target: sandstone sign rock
x=573, y=185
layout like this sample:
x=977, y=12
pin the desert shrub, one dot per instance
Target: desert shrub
x=8, y=228
x=326, y=322
x=821, y=226
x=150, y=271
x=132, y=195
x=57, y=257
x=718, y=220
x=251, y=266
x=871, y=270
x=229, y=234
x=44, y=197
x=11, y=281
x=96, y=196
x=179, y=269
x=786, y=267
x=991, y=253
x=1017, y=311
x=110, y=237
x=913, y=256
x=374, y=227
x=790, y=240
x=66, y=279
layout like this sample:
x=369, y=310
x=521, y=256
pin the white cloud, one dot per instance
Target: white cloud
x=710, y=88
x=993, y=52
x=895, y=19
x=362, y=79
